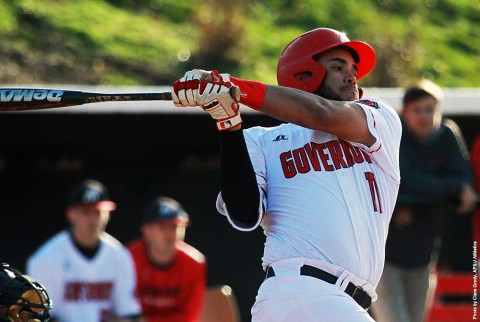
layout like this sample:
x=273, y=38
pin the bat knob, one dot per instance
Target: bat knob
x=235, y=93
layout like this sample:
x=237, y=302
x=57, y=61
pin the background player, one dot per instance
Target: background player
x=323, y=187
x=437, y=184
x=171, y=274
x=89, y=274
x=22, y=299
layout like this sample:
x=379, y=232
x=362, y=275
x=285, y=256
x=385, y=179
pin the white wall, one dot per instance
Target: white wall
x=457, y=101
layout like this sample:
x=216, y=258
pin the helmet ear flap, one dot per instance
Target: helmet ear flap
x=308, y=77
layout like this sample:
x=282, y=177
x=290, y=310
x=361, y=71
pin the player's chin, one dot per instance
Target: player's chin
x=350, y=95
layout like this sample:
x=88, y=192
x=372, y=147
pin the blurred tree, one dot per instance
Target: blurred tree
x=144, y=42
x=221, y=27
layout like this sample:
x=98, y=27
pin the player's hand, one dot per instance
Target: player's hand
x=183, y=90
x=468, y=199
x=213, y=92
x=214, y=75
x=215, y=98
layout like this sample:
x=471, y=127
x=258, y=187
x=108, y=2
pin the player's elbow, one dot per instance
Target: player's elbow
x=245, y=219
x=244, y=209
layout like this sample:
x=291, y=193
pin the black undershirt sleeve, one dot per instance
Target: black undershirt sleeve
x=237, y=179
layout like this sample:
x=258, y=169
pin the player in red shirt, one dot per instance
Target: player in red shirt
x=475, y=159
x=171, y=275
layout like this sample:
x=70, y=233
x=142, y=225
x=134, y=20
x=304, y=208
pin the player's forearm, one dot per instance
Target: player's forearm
x=295, y=106
x=237, y=178
x=285, y=104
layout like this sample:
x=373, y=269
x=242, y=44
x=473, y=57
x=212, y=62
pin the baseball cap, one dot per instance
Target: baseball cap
x=90, y=193
x=163, y=209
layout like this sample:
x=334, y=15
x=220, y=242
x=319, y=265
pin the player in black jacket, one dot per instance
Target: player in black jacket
x=437, y=182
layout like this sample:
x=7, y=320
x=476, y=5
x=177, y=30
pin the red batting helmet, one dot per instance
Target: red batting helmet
x=299, y=57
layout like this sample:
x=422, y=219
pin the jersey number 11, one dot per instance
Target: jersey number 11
x=377, y=203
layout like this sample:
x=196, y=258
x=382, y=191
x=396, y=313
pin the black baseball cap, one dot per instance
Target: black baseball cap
x=164, y=209
x=91, y=193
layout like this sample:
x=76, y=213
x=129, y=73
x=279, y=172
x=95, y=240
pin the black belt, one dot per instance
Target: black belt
x=356, y=292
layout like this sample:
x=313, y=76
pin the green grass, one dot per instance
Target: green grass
x=133, y=42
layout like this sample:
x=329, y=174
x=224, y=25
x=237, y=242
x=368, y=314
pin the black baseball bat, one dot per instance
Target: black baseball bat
x=27, y=99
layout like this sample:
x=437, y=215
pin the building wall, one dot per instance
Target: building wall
x=138, y=156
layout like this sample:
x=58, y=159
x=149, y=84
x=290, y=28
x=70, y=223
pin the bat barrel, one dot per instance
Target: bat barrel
x=20, y=99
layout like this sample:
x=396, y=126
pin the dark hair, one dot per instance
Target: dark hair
x=414, y=94
x=424, y=88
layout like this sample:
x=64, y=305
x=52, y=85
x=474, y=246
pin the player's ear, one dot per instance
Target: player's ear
x=107, y=214
x=181, y=232
x=69, y=215
x=143, y=229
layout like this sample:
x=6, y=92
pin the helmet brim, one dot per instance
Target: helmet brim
x=366, y=56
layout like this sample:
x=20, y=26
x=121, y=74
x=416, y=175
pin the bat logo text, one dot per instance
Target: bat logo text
x=28, y=95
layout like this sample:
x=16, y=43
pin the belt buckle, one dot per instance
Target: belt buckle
x=361, y=297
x=356, y=289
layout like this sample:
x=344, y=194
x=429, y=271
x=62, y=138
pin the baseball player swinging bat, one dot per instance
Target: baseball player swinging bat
x=27, y=99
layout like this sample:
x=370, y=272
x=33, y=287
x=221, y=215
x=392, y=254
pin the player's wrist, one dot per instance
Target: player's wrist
x=230, y=124
x=252, y=92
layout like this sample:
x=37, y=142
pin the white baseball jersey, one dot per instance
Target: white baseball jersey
x=325, y=198
x=85, y=289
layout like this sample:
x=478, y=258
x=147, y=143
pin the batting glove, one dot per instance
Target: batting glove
x=216, y=98
x=183, y=89
x=209, y=90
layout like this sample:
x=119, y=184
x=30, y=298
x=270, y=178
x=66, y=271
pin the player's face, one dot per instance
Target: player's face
x=162, y=235
x=420, y=117
x=340, y=81
x=88, y=221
